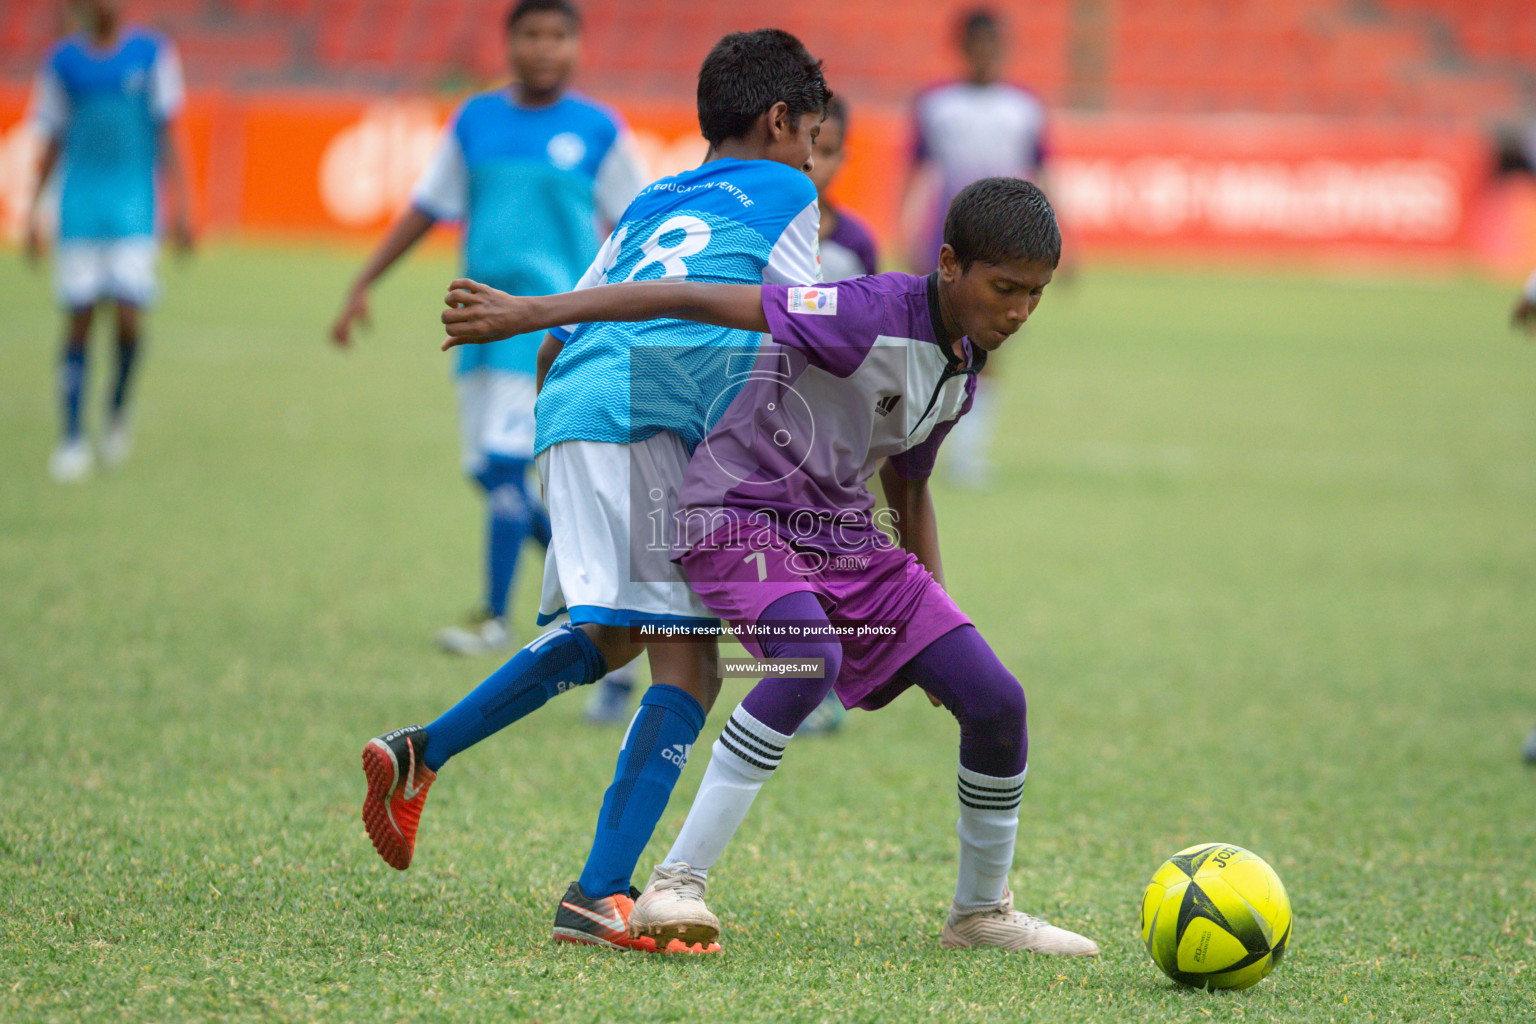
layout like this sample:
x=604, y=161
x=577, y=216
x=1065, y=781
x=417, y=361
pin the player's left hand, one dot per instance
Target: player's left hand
x=478, y=313
x=1524, y=316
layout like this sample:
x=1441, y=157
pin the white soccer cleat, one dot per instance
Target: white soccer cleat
x=70, y=462
x=116, y=442
x=672, y=909
x=480, y=638
x=1002, y=927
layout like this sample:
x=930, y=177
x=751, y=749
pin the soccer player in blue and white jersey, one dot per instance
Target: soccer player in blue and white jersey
x=530, y=171
x=778, y=533
x=621, y=410
x=105, y=102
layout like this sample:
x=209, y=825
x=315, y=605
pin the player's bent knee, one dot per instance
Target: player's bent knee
x=612, y=642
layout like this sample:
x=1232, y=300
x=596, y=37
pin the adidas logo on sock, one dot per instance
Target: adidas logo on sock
x=678, y=754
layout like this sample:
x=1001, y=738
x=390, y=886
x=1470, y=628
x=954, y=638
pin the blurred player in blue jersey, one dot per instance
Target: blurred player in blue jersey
x=977, y=127
x=105, y=102
x=529, y=170
x=621, y=410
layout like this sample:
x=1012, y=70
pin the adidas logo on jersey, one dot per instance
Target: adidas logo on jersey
x=678, y=754
x=884, y=405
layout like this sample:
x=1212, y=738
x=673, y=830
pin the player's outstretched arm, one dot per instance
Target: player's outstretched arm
x=406, y=231
x=45, y=165
x=478, y=313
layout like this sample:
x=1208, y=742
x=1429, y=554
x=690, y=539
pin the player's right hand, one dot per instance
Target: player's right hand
x=354, y=311
x=478, y=313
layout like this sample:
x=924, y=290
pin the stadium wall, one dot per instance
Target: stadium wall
x=1209, y=187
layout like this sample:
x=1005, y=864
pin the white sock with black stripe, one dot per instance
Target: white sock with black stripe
x=989, y=823
x=740, y=762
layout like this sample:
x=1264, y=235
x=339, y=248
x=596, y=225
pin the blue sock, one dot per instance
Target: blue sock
x=509, y=519
x=653, y=755
x=71, y=387
x=127, y=355
x=555, y=662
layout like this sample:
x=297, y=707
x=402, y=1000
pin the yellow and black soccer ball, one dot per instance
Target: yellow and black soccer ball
x=1216, y=916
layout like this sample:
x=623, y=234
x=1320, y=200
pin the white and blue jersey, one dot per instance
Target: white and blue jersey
x=530, y=185
x=107, y=109
x=728, y=221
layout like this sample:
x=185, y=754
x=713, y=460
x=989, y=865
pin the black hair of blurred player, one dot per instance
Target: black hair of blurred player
x=979, y=34
x=543, y=45
x=1001, y=248
x=762, y=96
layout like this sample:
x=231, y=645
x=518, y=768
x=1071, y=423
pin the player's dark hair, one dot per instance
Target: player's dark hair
x=974, y=21
x=522, y=8
x=747, y=73
x=999, y=220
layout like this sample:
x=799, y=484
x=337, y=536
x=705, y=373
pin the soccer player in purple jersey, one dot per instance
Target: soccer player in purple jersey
x=778, y=534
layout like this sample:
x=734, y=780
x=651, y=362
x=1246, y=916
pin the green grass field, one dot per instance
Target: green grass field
x=1263, y=550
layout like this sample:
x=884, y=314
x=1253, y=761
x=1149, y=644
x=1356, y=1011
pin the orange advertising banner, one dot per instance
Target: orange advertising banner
x=1203, y=186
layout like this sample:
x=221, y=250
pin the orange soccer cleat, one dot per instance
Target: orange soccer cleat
x=397, y=788
x=604, y=921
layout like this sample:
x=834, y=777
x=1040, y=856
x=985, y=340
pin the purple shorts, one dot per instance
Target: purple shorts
x=876, y=591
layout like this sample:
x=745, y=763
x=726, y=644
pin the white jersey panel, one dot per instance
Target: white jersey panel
x=442, y=191
x=796, y=257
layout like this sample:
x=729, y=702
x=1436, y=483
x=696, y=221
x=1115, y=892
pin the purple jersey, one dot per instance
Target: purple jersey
x=855, y=374
x=849, y=251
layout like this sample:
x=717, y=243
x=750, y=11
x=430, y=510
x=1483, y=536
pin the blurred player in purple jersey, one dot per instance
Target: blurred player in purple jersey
x=977, y=127
x=847, y=247
x=777, y=532
x=105, y=103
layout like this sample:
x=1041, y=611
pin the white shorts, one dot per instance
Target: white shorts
x=495, y=417
x=87, y=272
x=609, y=559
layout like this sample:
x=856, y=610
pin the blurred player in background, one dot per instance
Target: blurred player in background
x=978, y=127
x=847, y=247
x=529, y=170
x=621, y=410
x=105, y=103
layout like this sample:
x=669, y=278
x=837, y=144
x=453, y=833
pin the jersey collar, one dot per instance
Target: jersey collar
x=976, y=357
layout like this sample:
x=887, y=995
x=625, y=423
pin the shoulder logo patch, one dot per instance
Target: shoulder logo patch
x=817, y=301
